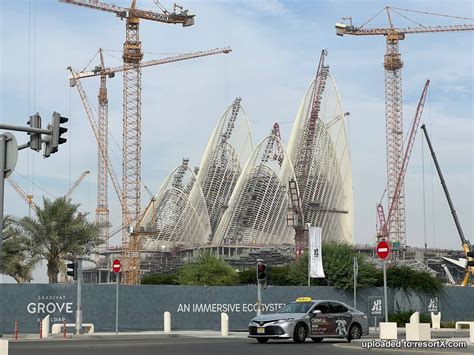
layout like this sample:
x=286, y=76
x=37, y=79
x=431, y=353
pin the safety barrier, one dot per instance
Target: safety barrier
x=416, y=331
x=436, y=320
x=57, y=327
x=388, y=330
x=3, y=347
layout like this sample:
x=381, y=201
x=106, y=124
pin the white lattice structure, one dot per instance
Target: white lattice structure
x=320, y=155
x=258, y=207
x=179, y=214
x=228, y=149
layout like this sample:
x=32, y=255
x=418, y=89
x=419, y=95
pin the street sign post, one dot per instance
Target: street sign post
x=383, y=251
x=8, y=158
x=116, y=267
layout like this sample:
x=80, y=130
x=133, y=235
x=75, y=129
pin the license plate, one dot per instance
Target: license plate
x=260, y=330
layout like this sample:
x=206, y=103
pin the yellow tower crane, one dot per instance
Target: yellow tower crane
x=393, y=98
x=131, y=145
x=100, y=129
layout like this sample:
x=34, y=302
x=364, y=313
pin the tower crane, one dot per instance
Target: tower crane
x=393, y=98
x=100, y=126
x=26, y=197
x=385, y=224
x=76, y=184
x=131, y=146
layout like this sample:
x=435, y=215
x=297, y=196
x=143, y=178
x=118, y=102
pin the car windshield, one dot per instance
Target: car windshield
x=296, y=307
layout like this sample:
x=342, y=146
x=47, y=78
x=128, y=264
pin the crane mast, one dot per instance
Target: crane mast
x=131, y=143
x=393, y=65
x=102, y=210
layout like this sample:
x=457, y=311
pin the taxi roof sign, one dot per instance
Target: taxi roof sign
x=304, y=299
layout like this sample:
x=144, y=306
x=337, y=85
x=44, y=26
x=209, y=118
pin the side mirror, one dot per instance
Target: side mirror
x=317, y=311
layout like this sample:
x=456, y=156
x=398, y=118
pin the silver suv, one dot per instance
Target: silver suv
x=308, y=318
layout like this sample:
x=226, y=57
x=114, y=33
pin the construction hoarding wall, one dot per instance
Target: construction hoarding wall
x=192, y=307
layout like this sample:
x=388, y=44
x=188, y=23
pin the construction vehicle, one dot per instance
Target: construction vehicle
x=466, y=245
x=393, y=97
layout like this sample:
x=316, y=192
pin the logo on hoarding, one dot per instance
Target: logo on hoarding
x=55, y=306
x=375, y=306
x=432, y=304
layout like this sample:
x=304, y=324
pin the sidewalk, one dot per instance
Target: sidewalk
x=445, y=333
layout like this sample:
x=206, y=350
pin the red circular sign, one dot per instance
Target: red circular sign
x=383, y=249
x=116, y=266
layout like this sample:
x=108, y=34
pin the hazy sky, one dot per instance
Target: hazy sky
x=276, y=46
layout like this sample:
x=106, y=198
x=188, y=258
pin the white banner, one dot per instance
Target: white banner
x=316, y=257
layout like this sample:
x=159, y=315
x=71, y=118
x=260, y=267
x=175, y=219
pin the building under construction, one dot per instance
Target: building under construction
x=240, y=201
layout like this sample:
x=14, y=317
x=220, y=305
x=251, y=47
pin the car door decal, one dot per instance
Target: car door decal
x=341, y=327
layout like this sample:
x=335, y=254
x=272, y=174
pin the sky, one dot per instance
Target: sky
x=275, y=50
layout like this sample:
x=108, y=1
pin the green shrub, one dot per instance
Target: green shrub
x=159, y=279
x=403, y=317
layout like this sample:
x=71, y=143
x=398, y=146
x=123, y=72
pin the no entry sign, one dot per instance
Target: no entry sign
x=383, y=250
x=116, y=266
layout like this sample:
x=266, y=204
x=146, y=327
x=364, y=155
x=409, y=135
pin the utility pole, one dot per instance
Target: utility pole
x=79, y=297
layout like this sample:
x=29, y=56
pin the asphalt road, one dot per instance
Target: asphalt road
x=194, y=346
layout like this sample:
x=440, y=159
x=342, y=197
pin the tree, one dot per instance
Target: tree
x=59, y=232
x=207, y=270
x=17, y=260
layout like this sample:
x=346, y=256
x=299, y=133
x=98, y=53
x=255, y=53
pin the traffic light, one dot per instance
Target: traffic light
x=58, y=131
x=54, y=139
x=72, y=269
x=262, y=273
x=35, y=138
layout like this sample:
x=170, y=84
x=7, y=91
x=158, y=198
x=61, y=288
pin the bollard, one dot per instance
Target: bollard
x=45, y=327
x=224, y=324
x=41, y=329
x=167, y=322
x=64, y=330
x=16, y=330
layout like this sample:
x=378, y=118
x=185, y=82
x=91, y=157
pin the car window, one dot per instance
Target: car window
x=337, y=307
x=295, y=307
x=323, y=307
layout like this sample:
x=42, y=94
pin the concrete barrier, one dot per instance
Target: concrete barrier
x=88, y=327
x=45, y=328
x=471, y=335
x=436, y=320
x=224, y=324
x=388, y=330
x=458, y=324
x=167, y=322
x=416, y=331
x=3, y=347
x=415, y=318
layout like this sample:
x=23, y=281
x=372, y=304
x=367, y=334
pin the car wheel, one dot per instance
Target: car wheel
x=355, y=332
x=317, y=340
x=262, y=340
x=300, y=333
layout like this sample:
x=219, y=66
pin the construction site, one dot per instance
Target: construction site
x=250, y=197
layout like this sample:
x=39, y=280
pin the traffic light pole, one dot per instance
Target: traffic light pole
x=259, y=298
x=79, y=297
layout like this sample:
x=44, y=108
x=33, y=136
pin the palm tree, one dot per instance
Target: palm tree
x=60, y=232
x=17, y=260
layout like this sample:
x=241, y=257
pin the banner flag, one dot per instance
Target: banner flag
x=316, y=256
